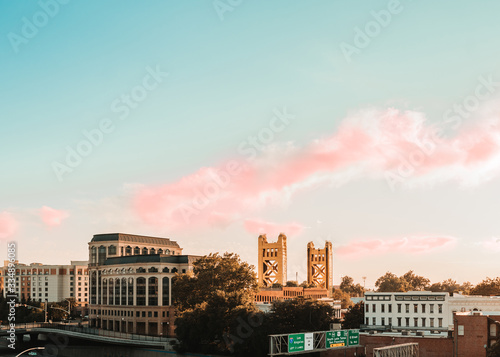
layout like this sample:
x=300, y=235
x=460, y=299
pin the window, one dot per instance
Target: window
x=93, y=255
x=374, y=321
x=431, y=321
x=423, y=321
x=137, y=251
x=149, y=314
x=415, y=321
x=423, y=308
x=389, y=306
x=407, y=306
x=112, y=250
x=366, y=321
x=155, y=314
x=399, y=321
x=141, y=292
x=101, y=255
x=440, y=308
x=440, y=322
x=160, y=251
x=367, y=308
x=128, y=250
x=374, y=308
x=431, y=308
x=166, y=291
x=399, y=308
x=383, y=321
x=153, y=291
x=415, y=308
x=390, y=321
x=144, y=251
x=382, y=308
x=407, y=322
x=152, y=251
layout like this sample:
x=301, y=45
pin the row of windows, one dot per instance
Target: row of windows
x=423, y=321
x=125, y=313
x=141, y=270
x=406, y=297
x=423, y=308
x=99, y=254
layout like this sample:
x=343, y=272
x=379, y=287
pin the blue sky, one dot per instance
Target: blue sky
x=225, y=79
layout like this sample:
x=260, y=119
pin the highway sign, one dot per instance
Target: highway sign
x=353, y=338
x=336, y=338
x=309, y=341
x=296, y=342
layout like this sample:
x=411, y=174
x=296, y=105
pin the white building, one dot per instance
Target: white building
x=416, y=310
x=422, y=310
x=54, y=283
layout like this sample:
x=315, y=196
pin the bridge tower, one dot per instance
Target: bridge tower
x=320, y=265
x=272, y=261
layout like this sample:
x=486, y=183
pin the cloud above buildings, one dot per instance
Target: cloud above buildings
x=492, y=245
x=271, y=229
x=52, y=217
x=8, y=225
x=402, y=148
x=406, y=245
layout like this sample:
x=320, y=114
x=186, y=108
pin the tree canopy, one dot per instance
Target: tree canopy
x=354, y=317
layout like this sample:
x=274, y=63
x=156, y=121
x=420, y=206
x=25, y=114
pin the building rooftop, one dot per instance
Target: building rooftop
x=132, y=238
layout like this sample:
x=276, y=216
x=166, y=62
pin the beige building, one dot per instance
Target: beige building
x=54, y=283
x=131, y=282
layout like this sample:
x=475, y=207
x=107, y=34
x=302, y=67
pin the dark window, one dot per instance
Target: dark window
x=166, y=292
x=111, y=250
x=153, y=291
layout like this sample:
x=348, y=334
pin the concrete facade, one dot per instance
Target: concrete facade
x=272, y=258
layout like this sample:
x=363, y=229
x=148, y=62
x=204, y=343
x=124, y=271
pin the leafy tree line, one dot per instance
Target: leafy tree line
x=216, y=313
x=390, y=282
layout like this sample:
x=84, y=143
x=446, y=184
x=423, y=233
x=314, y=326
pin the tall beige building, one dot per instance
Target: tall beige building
x=320, y=265
x=272, y=261
x=131, y=282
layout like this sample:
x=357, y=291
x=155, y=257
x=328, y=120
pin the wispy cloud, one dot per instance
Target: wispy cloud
x=272, y=229
x=406, y=245
x=8, y=225
x=400, y=147
x=492, y=245
x=52, y=217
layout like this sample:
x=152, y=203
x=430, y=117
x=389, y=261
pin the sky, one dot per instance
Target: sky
x=372, y=124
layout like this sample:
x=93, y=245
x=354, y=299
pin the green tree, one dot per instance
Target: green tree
x=347, y=285
x=487, y=287
x=414, y=282
x=354, y=317
x=291, y=284
x=390, y=283
x=345, y=298
x=211, y=300
x=277, y=286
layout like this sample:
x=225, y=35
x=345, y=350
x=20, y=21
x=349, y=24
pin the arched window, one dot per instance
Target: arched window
x=124, y=291
x=104, y=291
x=167, y=251
x=160, y=251
x=93, y=255
x=111, y=291
x=102, y=254
x=137, y=251
x=144, y=251
x=130, y=291
x=174, y=270
x=112, y=250
x=166, y=270
x=153, y=270
x=152, y=251
x=128, y=250
x=141, y=291
x=166, y=291
x=141, y=270
x=153, y=291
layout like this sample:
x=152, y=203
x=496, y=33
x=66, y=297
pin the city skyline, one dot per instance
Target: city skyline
x=331, y=122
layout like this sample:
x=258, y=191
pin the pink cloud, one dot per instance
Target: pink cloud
x=406, y=245
x=399, y=147
x=8, y=225
x=258, y=227
x=52, y=217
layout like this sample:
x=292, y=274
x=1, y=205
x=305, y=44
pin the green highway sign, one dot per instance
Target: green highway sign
x=296, y=342
x=353, y=338
x=336, y=338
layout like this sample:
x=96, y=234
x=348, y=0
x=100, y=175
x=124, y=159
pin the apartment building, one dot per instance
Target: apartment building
x=54, y=283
